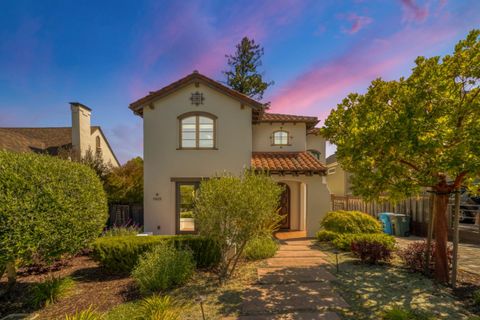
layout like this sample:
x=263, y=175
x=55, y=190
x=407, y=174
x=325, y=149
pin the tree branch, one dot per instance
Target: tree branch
x=459, y=179
x=411, y=165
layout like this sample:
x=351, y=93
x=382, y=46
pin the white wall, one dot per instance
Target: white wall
x=164, y=161
x=262, y=133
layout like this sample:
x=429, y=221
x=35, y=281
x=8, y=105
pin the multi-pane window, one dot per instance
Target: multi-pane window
x=197, y=131
x=280, y=138
x=186, y=193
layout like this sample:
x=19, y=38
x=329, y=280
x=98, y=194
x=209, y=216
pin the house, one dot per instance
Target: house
x=77, y=139
x=338, y=180
x=196, y=127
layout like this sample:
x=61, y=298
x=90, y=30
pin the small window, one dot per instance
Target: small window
x=98, y=147
x=197, y=131
x=280, y=138
x=315, y=153
x=331, y=170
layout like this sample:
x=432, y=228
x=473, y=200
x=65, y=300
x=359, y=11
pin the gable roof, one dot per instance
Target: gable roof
x=195, y=77
x=49, y=140
x=287, y=162
x=280, y=117
x=331, y=159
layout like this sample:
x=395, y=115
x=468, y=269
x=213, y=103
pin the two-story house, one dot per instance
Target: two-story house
x=196, y=127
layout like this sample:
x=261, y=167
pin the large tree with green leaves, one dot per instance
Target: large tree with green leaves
x=125, y=184
x=421, y=131
x=243, y=75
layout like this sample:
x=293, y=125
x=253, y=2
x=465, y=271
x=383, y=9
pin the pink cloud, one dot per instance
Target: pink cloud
x=358, y=23
x=413, y=11
x=324, y=85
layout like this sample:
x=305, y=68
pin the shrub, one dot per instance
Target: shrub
x=350, y=222
x=234, y=210
x=344, y=241
x=121, y=231
x=397, y=313
x=186, y=215
x=261, y=248
x=476, y=297
x=51, y=290
x=162, y=268
x=413, y=256
x=88, y=314
x=125, y=184
x=372, y=248
x=121, y=254
x=158, y=308
x=326, y=236
x=49, y=207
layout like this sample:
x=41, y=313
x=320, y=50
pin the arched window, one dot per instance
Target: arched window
x=98, y=147
x=197, y=130
x=280, y=138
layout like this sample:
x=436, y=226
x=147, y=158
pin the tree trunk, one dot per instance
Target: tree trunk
x=441, y=236
x=455, y=238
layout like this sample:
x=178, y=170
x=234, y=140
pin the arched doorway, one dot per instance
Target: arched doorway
x=285, y=206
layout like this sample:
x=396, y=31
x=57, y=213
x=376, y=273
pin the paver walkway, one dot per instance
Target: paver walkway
x=294, y=285
x=468, y=254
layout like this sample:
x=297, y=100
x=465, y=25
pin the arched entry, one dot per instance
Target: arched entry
x=285, y=206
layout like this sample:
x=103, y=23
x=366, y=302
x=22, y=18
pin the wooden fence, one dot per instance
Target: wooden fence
x=418, y=208
x=125, y=215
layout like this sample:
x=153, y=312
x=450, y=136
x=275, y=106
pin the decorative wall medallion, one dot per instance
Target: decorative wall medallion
x=197, y=98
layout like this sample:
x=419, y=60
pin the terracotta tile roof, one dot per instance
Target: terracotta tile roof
x=279, y=117
x=287, y=162
x=138, y=105
x=314, y=131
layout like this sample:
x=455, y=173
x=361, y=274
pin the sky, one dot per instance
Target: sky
x=107, y=54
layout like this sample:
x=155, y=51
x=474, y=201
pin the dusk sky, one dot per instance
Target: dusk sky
x=107, y=54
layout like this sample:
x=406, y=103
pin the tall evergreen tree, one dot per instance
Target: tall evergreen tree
x=243, y=75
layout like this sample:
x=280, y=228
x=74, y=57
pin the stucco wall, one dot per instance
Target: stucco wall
x=107, y=154
x=163, y=161
x=317, y=142
x=336, y=181
x=262, y=133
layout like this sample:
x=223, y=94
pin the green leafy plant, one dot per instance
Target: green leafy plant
x=51, y=290
x=87, y=314
x=125, y=184
x=398, y=313
x=186, y=215
x=344, y=241
x=121, y=231
x=261, y=248
x=158, y=308
x=121, y=254
x=476, y=297
x=415, y=133
x=326, y=235
x=350, y=222
x=162, y=268
x=49, y=208
x=233, y=210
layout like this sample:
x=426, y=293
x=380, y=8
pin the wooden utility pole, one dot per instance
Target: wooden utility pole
x=456, y=218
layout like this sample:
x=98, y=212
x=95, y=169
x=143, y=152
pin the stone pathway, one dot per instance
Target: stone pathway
x=468, y=254
x=294, y=285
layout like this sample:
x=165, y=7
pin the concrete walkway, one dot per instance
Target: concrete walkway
x=468, y=254
x=294, y=285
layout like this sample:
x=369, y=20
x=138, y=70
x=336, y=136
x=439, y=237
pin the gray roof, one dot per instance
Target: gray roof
x=331, y=159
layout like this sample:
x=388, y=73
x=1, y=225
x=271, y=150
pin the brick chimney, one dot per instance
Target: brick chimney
x=81, y=133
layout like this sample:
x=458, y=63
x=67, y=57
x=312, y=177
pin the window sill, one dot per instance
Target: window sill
x=197, y=148
x=281, y=145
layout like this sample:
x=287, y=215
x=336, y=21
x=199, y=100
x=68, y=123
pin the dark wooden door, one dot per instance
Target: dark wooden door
x=285, y=207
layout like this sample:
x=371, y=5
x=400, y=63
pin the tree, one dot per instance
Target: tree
x=125, y=184
x=49, y=207
x=233, y=210
x=93, y=160
x=243, y=75
x=421, y=131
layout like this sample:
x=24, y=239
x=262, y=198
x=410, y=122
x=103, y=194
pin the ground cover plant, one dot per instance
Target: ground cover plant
x=49, y=208
x=51, y=290
x=413, y=256
x=261, y=248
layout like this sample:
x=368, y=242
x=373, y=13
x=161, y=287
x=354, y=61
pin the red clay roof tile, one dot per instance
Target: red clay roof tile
x=294, y=162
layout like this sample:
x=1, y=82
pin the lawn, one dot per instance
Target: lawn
x=371, y=289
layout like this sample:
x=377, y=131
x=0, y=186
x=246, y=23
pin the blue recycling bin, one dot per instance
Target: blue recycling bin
x=386, y=220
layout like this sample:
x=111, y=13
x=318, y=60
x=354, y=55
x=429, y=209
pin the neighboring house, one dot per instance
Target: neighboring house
x=196, y=128
x=77, y=139
x=338, y=180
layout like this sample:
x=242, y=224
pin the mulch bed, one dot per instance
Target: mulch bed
x=467, y=284
x=93, y=286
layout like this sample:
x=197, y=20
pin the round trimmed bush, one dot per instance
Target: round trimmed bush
x=326, y=236
x=48, y=207
x=350, y=222
x=260, y=248
x=162, y=268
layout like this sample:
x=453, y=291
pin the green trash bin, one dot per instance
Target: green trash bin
x=400, y=225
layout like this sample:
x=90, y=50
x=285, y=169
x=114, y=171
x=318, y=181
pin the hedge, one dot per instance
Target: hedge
x=48, y=207
x=344, y=241
x=121, y=254
x=350, y=222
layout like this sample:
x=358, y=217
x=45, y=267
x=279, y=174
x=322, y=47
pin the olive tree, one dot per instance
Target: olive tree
x=418, y=132
x=49, y=207
x=232, y=210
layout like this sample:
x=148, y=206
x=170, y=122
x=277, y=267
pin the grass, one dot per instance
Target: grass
x=373, y=290
x=51, y=290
